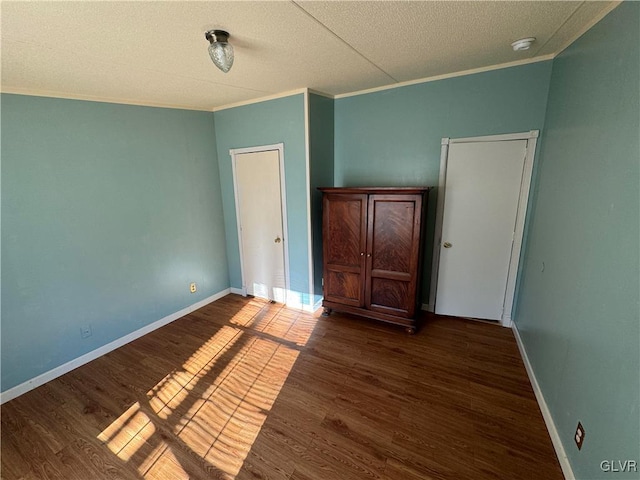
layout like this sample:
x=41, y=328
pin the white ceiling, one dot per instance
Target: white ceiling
x=155, y=53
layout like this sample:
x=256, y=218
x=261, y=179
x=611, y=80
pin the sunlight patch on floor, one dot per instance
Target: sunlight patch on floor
x=277, y=321
x=128, y=432
x=171, y=391
x=222, y=429
x=162, y=464
x=207, y=415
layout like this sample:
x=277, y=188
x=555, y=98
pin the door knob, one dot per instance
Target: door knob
x=278, y=239
x=446, y=245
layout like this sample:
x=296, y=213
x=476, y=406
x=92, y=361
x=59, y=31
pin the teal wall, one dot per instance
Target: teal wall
x=108, y=213
x=266, y=123
x=392, y=137
x=321, y=148
x=579, y=318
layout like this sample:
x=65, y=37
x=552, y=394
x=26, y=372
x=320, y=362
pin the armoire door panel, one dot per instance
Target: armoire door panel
x=391, y=234
x=393, y=243
x=344, y=221
x=344, y=224
x=391, y=296
x=344, y=287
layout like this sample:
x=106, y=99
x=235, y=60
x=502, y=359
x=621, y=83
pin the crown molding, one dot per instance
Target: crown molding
x=290, y=93
x=606, y=11
x=91, y=98
x=321, y=94
x=462, y=73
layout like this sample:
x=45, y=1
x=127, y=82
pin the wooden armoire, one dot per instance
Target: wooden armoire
x=372, y=251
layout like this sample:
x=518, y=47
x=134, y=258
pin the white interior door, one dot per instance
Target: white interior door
x=482, y=190
x=258, y=186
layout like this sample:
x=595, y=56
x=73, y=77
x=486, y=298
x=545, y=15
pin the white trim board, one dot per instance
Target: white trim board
x=257, y=149
x=307, y=151
x=523, y=203
x=544, y=409
x=503, y=137
x=444, y=76
x=91, y=98
x=56, y=372
x=427, y=307
x=316, y=305
x=606, y=11
x=437, y=237
x=275, y=96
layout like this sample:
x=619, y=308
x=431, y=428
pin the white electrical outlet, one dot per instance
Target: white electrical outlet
x=579, y=437
x=85, y=331
x=192, y=287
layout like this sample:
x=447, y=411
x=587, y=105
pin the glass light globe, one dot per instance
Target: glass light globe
x=222, y=55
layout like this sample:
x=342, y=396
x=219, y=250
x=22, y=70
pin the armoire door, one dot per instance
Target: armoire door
x=345, y=224
x=393, y=249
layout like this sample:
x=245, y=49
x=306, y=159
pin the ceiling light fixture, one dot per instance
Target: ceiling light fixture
x=523, y=44
x=220, y=50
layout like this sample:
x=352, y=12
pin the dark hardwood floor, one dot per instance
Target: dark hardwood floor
x=246, y=389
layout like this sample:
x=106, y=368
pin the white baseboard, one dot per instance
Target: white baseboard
x=293, y=300
x=507, y=321
x=427, y=307
x=41, y=379
x=317, y=305
x=546, y=414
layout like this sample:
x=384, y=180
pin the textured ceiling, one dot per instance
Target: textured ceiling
x=155, y=52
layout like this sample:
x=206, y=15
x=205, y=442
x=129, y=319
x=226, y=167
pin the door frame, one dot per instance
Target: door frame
x=523, y=200
x=279, y=147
